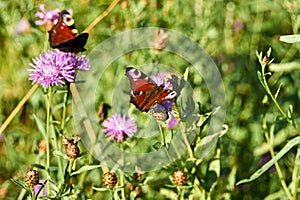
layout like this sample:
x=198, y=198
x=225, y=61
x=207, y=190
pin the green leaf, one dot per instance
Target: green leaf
x=284, y=67
x=190, y=163
x=213, y=172
x=259, y=56
x=157, y=145
x=85, y=168
x=259, y=75
x=101, y=189
x=21, y=184
x=60, y=154
x=40, y=125
x=281, y=153
x=277, y=92
x=208, y=141
x=290, y=38
x=186, y=74
x=269, y=52
x=42, y=167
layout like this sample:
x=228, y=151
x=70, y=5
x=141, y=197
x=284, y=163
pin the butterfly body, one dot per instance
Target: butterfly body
x=64, y=35
x=145, y=93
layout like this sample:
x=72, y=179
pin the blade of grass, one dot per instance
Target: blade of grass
x=281, y=153
x=100, y=17
x=18, y=108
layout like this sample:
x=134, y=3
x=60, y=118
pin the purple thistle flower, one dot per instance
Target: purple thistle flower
x=23, y=26
x=53, y=68
x=119, y=127
x=173, y=121
x=46, y=15
x=37, y=187
x=161, y=79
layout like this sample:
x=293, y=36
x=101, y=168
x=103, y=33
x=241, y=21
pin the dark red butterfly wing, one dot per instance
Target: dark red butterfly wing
x=64, y=35
x=144, y=92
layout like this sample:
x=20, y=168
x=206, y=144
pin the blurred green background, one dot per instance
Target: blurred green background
x=230, y=32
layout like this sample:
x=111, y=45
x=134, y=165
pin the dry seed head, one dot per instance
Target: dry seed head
x=109, y=179
x=159, y=42
x=72, y=149
x=137, y=176
x=179, y=178
x=31, y=177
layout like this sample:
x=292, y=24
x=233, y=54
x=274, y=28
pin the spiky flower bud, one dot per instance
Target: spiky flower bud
x=179, y=178
x=31, y=177
x=265, y=60
x=72, y=149
x=159, y=42
x=137, y=176
x=109, y=180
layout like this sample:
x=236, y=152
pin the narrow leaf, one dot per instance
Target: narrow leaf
x=85, y=168
x=100, y=189
x=271, y=162
x=40, y=125
x=60, y=154
x=21, y=184
x=285, y=67
x=278, y=90
x=290, y=38
x=269, y=52
x=259, y=75
x=186, y=74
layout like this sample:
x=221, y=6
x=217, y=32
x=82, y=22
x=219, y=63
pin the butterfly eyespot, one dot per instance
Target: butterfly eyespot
x=134, y=73
x=68, y=20
x=171, y=95
x=136, y=93
x=64, y=36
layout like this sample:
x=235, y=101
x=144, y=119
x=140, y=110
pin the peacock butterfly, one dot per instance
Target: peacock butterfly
x=64, y=35
x=146, y=95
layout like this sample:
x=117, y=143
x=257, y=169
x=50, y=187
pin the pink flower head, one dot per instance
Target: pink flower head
x=38, y=187
x=53, y=68
x=162, y=79
x=119, y=127
x=23, y=26
x=48, y=15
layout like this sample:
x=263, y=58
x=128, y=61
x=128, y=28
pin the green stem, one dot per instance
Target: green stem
x=180, y=192
x=187, y=144
x=122, y=183
x=71, y=162
x=57, y=148
x=162, y=136
x=50, y=94
x=266, y=86
x=296, y=173
x=280, y=175
x=122, y=174
x=64, y=113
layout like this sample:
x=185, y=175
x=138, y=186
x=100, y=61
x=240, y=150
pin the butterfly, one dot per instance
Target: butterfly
x=64, y=35
x=146, y=95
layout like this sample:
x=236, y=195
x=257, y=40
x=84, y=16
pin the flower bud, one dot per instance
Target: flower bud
x=109, y=180
x=72, y=149
x=31, y=177
x=179, y=178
